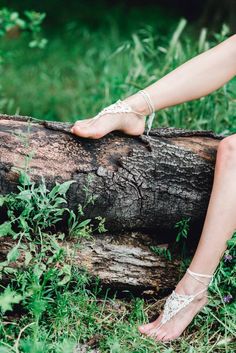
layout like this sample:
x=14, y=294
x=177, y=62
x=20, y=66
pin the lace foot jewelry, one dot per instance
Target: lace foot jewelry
x=176, y=302
x=122, y=107
x=151, y=116
x=117, y=107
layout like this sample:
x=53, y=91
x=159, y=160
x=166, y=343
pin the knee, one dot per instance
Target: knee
x=227, y=149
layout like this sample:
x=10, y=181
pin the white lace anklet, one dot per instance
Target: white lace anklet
x=194, y=274
x=176, y=302
x=117, y=107
x=122, y=107
x=151, y=108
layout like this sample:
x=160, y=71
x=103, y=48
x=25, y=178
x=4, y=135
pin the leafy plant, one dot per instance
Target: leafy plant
x=32, y=215
x=162, y=251
x=183, y=229
x=83, y=229
x=10, y=20
x=8, y=298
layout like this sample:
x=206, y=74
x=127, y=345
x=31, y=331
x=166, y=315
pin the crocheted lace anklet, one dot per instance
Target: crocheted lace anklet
x=123, y=107
x=176, y=302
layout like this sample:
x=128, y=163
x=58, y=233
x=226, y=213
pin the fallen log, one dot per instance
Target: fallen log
x=144, y=185
x=121, y=262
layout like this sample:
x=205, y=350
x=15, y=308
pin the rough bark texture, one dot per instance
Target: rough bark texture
x=144, y=186
x=142, y=183
x=124, y=262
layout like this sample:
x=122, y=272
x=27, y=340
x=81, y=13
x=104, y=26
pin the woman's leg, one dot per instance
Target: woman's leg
x=219, y=226
x=194, y=79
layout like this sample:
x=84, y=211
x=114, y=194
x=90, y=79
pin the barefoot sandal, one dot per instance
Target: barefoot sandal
x=151, y=108
x=122, y=107
x=175, y=302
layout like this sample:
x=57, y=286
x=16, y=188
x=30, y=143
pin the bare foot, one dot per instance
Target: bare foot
x=129, y=123
x=176, y=325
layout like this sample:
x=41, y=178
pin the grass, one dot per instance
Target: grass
x=51, y=306
x=81, y=71
x=48, y=308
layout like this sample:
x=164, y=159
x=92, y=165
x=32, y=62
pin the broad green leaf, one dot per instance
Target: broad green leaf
x=23, y=222
x=24, y=195
x=59, y=200
x=24, y=178
x=39, y=269
x=28, y=257
x=63, y=188
x=84, y=223
x=13, y=254
x=2, y=200
x=54, y=190
x=10, y=270
x=8, y=298
x=66, y=273
x=72, y=216
x=64, y=280
x=6, y=229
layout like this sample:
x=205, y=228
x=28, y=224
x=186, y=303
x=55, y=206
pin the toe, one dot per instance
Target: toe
x=151, y=333
x=171, y=336
x=145, y=328
x=156, y=333
x=80, y=131
x=87, y=132
x=160, y=334
x=142, y=328
x=166, y=339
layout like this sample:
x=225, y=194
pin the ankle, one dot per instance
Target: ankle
x=137, y=103
x=189, y=286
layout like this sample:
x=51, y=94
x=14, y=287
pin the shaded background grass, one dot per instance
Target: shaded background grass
x=104, y=55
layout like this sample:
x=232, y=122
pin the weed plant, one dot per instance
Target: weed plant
x=47, y=306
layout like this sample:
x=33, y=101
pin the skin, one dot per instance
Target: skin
x=196, y=78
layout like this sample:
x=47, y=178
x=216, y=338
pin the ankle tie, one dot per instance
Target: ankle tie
x=151, y=108
x=194, y=274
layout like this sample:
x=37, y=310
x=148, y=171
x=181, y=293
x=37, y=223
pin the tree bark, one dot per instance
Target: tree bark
x=121, y=262
x=142, y=183
x=144, y=186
